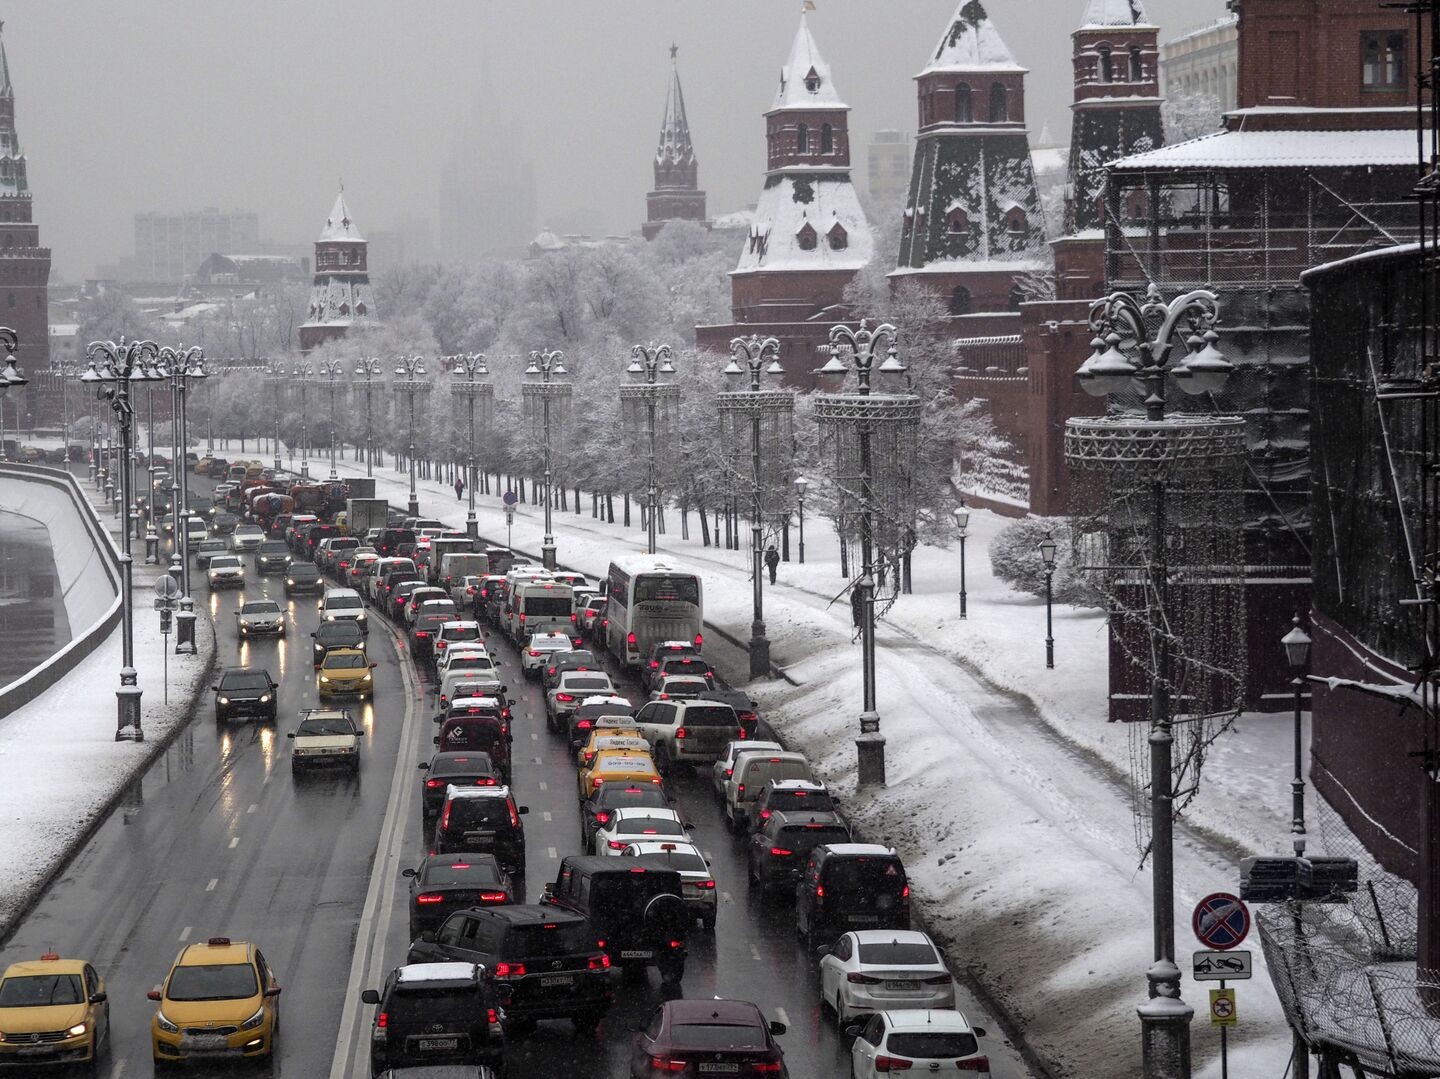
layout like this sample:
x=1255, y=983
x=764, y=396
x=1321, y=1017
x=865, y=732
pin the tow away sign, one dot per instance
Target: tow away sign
x=1222, y=966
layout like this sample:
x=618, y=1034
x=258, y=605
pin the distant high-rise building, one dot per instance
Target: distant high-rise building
x=888, y=171
x=341, y=295
x=677, y=195
x=169, y=246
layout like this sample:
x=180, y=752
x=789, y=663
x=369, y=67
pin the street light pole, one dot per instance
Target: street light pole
x=650, y=363
x=115, y=367
x=367, y=373
x=753, y=351
x=409, y=373
x=543, y=365
x=331, y=370
x=303, y=372
x=275, y=378
x=962, y=524
x=469, y=369
x=180, y=366
x=1297, y=656
x=801, y=485
x=1047, y=556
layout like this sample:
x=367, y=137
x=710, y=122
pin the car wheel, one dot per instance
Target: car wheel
x=707, y=922
x=839, y=1013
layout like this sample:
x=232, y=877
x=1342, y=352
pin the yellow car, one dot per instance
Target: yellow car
x=614, y=740
x=617, y=768
x=52, y=1011
x=345, y=671
x=219, y=1002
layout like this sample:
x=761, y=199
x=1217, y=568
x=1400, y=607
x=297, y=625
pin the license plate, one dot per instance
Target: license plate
x=557, y=979
x=203, y=1043
x=902, y=984
x=637, y=953
x=718, y=1069
x=34, y=1051
x=439, y=1045
x=479, y=835
x=864, y=917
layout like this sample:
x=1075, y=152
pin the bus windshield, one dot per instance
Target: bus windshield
x=670, y=588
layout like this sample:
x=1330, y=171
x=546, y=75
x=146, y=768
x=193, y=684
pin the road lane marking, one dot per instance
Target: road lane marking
x=253, y=807
x=545, y=814
x=543, y=786
x=755, y=953
x=726, y=896
x=534, y=737
x=235, y=842
x=537, y=760
x=550, y=853
x=185, y=933
x=211, y=886
x=118, y=1070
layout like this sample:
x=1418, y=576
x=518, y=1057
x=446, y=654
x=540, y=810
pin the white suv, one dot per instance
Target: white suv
x=540, y=647
x=687, y=731
x=344, y=603
x=572, y=688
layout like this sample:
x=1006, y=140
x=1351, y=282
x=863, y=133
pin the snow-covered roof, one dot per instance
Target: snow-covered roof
x=1397, y=251
x=738, y=219
x=435, y=972
x=1280, y=149
x=971, y=43
x=806, y=68
x=773, y=242
x=1100, y=14
x=340, y=226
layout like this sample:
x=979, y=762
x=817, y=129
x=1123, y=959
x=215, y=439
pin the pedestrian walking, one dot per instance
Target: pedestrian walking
x=459, y=488
x=772, y=560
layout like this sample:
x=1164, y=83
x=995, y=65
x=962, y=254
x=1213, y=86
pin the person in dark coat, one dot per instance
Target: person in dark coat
x=459, y=488
x=772, y=560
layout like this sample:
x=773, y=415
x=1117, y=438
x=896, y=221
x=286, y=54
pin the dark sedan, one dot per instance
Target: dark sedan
x=452, y=769
x=302, y=577
x=342, y=633
x=445, y=883
x=729, y=1037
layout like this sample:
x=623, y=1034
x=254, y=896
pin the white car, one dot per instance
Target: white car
x=259, y=616
x=627, y=826
x=423, y=595
x=459, y=685
x=344, y=603
x=872, y=970
x=326, y=736
x=471, y=656
x=923, y=1042
x=697, y=885
x=247, y=538
x=680, y=687
x=540, y=647
x=225, y=571
x=572, y=688
x=720, y=773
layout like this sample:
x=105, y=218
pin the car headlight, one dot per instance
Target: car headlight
x=360, y=617
x=77, y=1030
x=324, y=679
x=329, y=618
x=289, y=580
x=264, y=698
x=165, y=1024
x=255, y=1020
x=222, y=700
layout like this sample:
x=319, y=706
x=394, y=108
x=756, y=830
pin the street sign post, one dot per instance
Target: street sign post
x=509, y=525
x=1221, y=921
x=509, y=498
x=1220, y=966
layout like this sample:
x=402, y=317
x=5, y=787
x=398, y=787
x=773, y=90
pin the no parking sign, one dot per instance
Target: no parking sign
x=1221, y=921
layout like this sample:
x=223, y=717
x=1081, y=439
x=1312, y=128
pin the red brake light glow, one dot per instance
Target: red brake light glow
x=427, y=899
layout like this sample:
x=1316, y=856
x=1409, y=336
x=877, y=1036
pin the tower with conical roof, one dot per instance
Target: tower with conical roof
x=341, y=295
x=1117, y=103
x=973, y=222
x=677, y=195
x=24, y=264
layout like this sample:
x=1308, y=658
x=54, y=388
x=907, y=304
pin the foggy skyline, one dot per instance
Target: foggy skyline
x=267, y=106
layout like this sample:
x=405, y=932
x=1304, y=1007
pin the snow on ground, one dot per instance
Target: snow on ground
x=60, y=766
x=1007, y=790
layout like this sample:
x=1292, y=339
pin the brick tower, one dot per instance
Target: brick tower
x=341, y=295
x=1117, y=102
x=973, y=222
x=677, y=195
x=24, y=267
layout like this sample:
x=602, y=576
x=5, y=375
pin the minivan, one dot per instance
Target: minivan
x=851, y=886
x=749, y=776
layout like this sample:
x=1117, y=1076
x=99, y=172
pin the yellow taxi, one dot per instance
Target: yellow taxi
x=345, y=672
x=616, y=767
x=612, y=739
x=218, y=1002
x=52, y=1011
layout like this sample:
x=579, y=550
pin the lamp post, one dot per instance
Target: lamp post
x=859, y=346
x=114, y=367
x=542, y=367
x=367, y=376
x=409, y=380
x=801, y=486
x=302, y=373
x=275, y=379
x=331, y=370
x=1157, y=444
x=649, y=365
x=1297, y=656
x=180, y=366
x=753, y=351
x=469, y=370
x=962, y=524
x=1047, y=558
x=64, y=369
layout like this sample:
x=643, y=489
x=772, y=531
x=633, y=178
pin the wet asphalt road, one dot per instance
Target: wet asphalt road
x=218, y=838
x=33, y=625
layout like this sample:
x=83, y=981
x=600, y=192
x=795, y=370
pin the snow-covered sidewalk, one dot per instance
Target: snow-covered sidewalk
x=61, y=769
x=1007, y=790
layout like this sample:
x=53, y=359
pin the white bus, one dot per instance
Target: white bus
x=651, y=600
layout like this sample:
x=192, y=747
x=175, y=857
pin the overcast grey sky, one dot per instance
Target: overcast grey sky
x=175, y=105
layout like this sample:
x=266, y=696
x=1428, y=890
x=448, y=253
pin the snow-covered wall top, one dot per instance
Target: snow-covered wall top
x=971, y=43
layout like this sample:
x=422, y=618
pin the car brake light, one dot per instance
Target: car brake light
x=781, y=852
x=654, y=662
x=564, y=697
x=533, y=652
x=820, y=892
x=603, y=963
x=680, y=733
x=382, y=1021
x=492, y=1017
x=514, y=816
x=905, y=893
x=699, y=640
x=615, y=844
x=572, y=618
x=421, y=633
x=974, y=1064
x=664, y=1064
x=429, y=899
x=522, y=619
x=431, y=784
x=766, y=1067
x=742, y=788
x=583, y=725
x=509, y=970
x=677, y=944
x=892, y=1064
x=492, y=897
x=764, y=814
x=445, y=817
x=707, y=884
x=861, y=979
x=602, y=817
x=937, y=979
x=630, y=640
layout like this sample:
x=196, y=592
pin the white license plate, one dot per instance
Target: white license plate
x=718, y=1069
x=439, y=1045
x=558, y=979
x=479, y=835
x=864, y=917
x=637, y=953
x=203, y=1043
x=902, y=984
x=34, y=1051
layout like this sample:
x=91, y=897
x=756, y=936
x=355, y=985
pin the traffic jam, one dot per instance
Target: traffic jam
x=545, y=698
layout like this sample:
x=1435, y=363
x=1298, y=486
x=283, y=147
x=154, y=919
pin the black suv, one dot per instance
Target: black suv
x=547, y=963
x=633, y=904
x=611, y=796
x=484, y=820
x=851, y=886
x=302, y=577
x=781, y=846
x=242, y=692
x=272, y=556
x=341, y=633
x=437, y=1013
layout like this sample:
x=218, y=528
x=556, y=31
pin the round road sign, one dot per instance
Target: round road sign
x=166, y=587
x=1221, y=921
x=509, y=498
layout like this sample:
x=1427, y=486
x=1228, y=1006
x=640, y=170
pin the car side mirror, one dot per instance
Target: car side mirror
x=370, y=996
x=824, y=950
x=506, y=689
x=99, y=998
x=523, y=810
x=215, y=689
x=374, y=665
x=289, y=734
x=407, y=872
x=979, y=1032
x=427, y=936
x=435, y=740
x=154, y=994
x=777, y=1028
x=272, y=990
x=435, y=719
x=424, y=766
x=312, y=635
x=853, y=1030
x=359, y=734
x=689, y=827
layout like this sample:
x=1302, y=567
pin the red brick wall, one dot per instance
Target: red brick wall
x=782, y=138
x=937, y=96
x=1056, y=336
x=784, y=296
x=989, y=290
x=1120, y=40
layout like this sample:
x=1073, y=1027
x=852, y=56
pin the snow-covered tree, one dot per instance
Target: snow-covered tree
x=1015, y=559
x=1188, y=116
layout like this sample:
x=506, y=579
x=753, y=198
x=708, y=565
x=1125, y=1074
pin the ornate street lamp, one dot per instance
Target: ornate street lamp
x=114, y=367
x=1047, y=558
x=801, y=486
x=1152, y=448
x=651, y=370
x=330, y=371
x=775, y=410
x=470, y=385
x=368, y=373
x=302, y=373
x=962, y=524
x=540, y=387
x=275, y=379
x=410, y=380
x=1297, y=656
x=853, y=421
x=180, y=366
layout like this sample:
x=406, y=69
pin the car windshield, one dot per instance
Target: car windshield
x=589, y=682
x=249, y=530
x=931, y=1044
x=303, y=569
x=683, y=860
x=225, y=562
x=345, y=663
x=653, y=587
x=621, y=893
x=802, y=801
x=219, y=981
x=471, y=659
x=899, y=954
x=611, y=797
x=869, y=876
x=340, y=603
x=806, y=837
x=262, y=606
x=321, y=726
x=40, y=990
x=710, y=716
x=273, y=547
x=462, y=633
x=469, y=767
x=337, y=633
x=548, y=939
x=716, y=1036
x=547, y=606
x=649, y=826
x=211, y=545
x=478, y=873
x=243, y=680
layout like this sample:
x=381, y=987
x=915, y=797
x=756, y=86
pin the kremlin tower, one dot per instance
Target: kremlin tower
x=341, y=294
x=677, y=195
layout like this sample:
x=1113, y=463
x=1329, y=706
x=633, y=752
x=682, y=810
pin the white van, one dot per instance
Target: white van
x=455, y=566
x=750, y=774
x=540, y=605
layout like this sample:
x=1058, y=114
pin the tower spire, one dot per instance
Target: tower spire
x=6, y=90
x=675, y=146
x=677, y=193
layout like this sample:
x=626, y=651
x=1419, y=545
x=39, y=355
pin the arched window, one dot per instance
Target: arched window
x=999, y=111
x=1137, y=67
x=1015, y=221
x=344, y=309
x=839, y=238
x=827, y=139
x=1107, y=66
x=960, y=301
x=360, y=309
x=957, y=221
x=812, y=81
x=802, y=139
x=964, y=109
x=806, y=237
